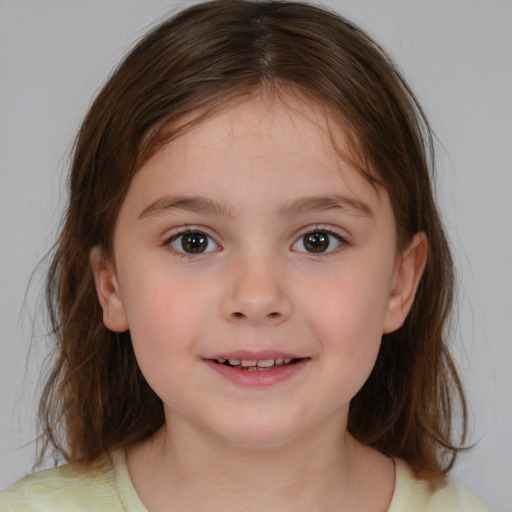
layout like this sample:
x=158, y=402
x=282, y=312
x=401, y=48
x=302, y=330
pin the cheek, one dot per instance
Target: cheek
x=164, y=323
x=164, y=335
x=160, y=300
x=349, y=305
x=347, y=315
x=350, y=342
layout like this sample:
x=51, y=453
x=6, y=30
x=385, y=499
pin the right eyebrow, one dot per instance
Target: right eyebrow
x=190, y=203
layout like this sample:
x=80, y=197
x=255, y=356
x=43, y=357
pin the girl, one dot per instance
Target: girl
x=250, y=289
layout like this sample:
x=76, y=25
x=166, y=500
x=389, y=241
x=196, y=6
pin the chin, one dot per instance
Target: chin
x=259, y=434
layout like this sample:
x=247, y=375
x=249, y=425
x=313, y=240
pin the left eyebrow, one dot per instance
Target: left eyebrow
x=189, y=203
x=322, y=203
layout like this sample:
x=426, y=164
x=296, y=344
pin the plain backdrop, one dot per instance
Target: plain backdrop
x=456, y=54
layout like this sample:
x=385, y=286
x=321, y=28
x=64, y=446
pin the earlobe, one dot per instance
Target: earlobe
x=408, y=272
x=114, y=314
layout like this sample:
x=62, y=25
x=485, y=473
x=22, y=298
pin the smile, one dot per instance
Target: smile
x=257, y=370
x=256, y=365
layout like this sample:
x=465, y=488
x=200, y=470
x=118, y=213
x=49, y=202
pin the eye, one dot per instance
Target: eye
x=192, y=242
x=318, y=241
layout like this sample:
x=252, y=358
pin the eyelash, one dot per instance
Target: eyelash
x=317, y=230
x=342, y=242
x=189, y=231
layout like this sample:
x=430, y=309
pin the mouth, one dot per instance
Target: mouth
x=257, y=369
x=258, y=365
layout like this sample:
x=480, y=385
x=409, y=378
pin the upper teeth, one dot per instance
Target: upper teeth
x=261, y=363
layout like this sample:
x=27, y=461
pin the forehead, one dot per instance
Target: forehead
x=291, y=118
x=262, y=142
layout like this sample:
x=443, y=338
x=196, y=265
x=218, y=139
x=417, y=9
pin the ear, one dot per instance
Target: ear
x=114, y=314
x=408, y=272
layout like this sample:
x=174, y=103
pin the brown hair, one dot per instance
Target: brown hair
x=195, y=64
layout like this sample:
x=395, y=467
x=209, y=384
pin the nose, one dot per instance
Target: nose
x=257, y=292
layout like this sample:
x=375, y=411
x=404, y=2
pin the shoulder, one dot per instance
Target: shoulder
x=415, y=495
x=72, y=487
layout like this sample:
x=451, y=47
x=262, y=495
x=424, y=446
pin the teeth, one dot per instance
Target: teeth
x=254, y=364
x=266, y=363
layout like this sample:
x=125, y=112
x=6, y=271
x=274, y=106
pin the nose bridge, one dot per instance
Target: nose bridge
x=257, y=291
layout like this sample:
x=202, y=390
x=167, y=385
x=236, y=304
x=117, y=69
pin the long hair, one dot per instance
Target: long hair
x=189, y=68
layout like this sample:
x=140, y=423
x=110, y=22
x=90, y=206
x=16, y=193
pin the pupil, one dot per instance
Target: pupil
x=316, y=242
x=194, y=242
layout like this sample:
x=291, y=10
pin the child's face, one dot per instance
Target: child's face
x=249, y=238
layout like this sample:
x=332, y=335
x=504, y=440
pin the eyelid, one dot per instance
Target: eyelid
x=318, y=228
x=184, y=230
x=187, y=228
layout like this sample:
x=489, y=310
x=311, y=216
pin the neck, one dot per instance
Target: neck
x=248, y=470
x=192, y=471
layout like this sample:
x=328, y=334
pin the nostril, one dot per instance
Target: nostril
x=273, y=315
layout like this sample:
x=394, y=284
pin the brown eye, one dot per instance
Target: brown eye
x=318, y=242
x=194, y=242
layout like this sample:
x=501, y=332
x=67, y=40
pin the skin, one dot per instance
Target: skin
x=257, y=286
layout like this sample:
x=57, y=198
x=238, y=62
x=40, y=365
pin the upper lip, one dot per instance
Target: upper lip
x=259, y=355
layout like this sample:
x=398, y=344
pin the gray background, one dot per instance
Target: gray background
x=456, y=54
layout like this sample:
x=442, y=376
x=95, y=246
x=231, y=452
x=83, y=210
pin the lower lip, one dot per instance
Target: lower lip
x=255, y=378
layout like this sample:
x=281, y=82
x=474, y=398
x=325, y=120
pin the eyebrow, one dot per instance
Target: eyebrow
x=323, y=203
x=301, y=205
x=189, y=203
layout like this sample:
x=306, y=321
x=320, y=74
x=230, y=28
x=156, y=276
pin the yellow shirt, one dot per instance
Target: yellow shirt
x=106, y=486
